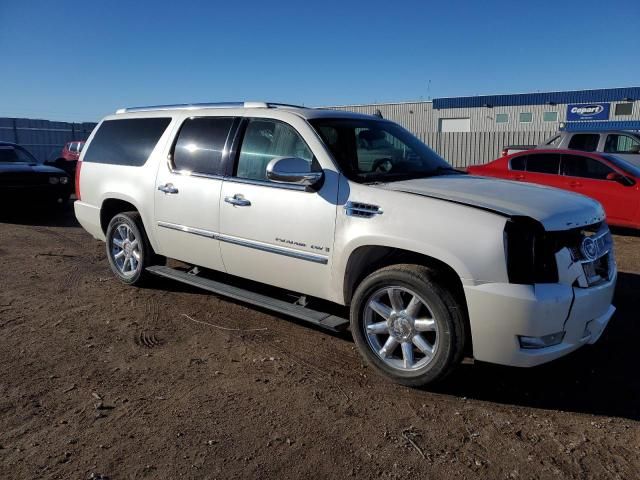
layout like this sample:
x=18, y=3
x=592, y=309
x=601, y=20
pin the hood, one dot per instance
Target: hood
x=16, y=167
x=555, y=209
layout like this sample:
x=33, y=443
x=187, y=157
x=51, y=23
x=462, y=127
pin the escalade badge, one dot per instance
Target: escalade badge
x=589, y=248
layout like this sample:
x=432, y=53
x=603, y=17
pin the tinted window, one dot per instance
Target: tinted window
x=200, y=144
x=577, y=166
x=126, y=142
x=550, y=117
x=587, y=142
x=519, y=163
x=621, y=144
x=502, y=118
x=624, y=108
x=543, y=163
x=265, y=140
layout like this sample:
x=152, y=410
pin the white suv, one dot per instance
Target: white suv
x=369, y=227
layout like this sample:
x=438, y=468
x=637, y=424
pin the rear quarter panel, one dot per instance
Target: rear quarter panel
x=136, y=185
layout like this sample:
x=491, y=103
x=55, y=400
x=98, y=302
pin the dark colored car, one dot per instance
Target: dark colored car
x=25, y=179
x=67, y=159
x=614, y=182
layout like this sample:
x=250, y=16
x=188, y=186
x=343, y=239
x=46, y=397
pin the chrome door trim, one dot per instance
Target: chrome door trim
x=183, y=228
x=287, y=252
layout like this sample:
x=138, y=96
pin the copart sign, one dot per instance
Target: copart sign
x=588, y=111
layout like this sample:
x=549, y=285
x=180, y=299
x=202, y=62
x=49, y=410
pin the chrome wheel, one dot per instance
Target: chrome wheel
x=401, y=328
x=125, y=250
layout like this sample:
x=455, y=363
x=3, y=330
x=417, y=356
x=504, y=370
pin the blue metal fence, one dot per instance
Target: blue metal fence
x=43, y=138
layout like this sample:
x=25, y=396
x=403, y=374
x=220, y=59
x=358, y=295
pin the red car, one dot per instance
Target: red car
x=71, y=150
x=68, y=158
x=611, y=180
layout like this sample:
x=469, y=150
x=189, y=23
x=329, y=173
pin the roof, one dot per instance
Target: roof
x=542, y=98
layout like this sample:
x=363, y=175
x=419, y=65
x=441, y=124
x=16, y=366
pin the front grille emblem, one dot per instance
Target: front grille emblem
x=589, y=248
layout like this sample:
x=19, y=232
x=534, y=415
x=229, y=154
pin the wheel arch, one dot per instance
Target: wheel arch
x=114, y=204
x=366, y=259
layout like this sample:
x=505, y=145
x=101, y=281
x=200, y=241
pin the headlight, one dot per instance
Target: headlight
x=54, y=180
x=64, y=180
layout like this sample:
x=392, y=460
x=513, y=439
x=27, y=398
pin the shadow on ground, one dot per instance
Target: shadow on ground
x=44, y=215
x=602, y=379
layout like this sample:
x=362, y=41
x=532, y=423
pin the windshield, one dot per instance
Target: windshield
x=378, y=150
x=624, y=165
x=14, y=154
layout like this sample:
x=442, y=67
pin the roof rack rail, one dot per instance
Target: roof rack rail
x=196, y=106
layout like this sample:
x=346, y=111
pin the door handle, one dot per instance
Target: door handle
x=575, y=184
x=238, y=200
x=168, y=188
x=519, y=177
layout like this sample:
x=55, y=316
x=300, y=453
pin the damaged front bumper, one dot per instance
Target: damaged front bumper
x=578, y=307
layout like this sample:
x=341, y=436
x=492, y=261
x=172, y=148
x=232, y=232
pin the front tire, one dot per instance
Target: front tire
x=128, y=248
x=408, y=325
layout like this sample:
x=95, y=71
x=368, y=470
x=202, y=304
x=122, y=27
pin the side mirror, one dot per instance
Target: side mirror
x=617, y=177
x=294, y=170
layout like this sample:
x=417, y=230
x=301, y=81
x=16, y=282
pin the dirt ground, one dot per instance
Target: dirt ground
x=100, y=380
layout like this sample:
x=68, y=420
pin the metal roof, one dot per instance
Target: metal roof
x=601, y=126
x=552, y=98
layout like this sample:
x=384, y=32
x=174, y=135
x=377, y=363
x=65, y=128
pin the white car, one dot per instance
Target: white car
x=366, y=225
x=621, y=143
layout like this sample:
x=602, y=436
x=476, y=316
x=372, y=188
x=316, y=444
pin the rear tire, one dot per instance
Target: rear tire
x=128, y=248
x=408, y=325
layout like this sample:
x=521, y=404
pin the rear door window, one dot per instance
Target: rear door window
x=584, y=167
x=129, y=141
x=587, y=142
x=200, y=145
x=543, y=163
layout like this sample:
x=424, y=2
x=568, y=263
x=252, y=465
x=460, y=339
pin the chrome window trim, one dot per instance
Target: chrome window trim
x=263, y=183
x=187, y=173
x=287, y=252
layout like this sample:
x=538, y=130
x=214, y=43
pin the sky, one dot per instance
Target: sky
x=79, y=61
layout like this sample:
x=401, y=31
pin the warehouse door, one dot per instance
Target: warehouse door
x=455, y=124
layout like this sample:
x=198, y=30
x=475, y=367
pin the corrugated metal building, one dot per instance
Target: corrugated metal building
x=472, y=130
x=43, y=138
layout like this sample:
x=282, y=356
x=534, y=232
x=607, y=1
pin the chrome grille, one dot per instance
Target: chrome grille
x=595, y=253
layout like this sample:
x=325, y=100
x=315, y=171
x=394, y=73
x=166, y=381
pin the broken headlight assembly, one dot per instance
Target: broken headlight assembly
x=529, y=252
